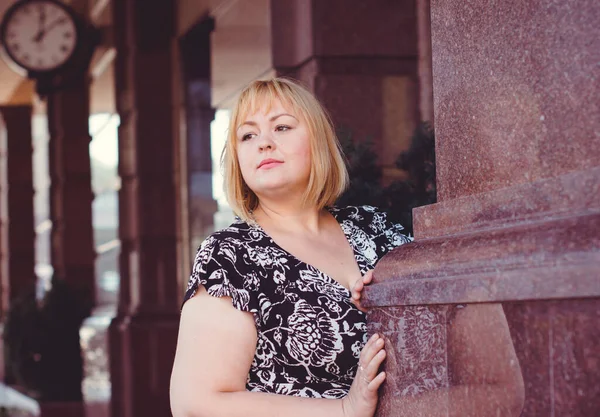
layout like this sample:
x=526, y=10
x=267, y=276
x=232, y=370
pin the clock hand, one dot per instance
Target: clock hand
x=47, y=29
x=42, y=15
x=41, y=23
x=54, y=24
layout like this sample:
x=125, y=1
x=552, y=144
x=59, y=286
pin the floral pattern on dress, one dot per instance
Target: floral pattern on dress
x=309, y=333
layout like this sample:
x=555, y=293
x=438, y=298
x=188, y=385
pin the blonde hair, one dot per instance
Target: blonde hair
x=328, y=175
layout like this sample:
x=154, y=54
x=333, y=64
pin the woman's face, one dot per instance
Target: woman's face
x=273, y=150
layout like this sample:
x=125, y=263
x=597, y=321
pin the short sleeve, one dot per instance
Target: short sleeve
x=215, y=268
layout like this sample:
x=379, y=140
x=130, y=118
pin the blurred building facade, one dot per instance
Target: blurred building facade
x=124, y=230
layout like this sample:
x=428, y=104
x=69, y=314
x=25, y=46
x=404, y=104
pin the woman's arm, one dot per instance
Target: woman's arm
x=215, y=348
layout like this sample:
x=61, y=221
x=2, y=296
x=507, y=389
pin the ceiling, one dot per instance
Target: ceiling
x=241, y=47
x=241, y=50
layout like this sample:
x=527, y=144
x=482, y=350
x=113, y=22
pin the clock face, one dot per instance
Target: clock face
x=39, y=35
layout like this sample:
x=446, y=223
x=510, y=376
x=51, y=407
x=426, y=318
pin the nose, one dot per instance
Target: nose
x=265, y=142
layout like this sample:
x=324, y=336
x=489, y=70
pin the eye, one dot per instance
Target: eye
x=247, y=136
x=282, y=128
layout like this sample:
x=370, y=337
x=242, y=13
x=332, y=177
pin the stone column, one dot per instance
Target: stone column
x=424, y=47
x=72, y=238
x=143, y=335
x=360, y=59
x=196, y=77
x=17, y=228
x=518, y=168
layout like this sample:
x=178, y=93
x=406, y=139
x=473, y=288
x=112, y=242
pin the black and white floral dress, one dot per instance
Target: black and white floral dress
x=310, y=335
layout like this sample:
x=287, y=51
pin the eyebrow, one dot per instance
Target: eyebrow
x=272, y=119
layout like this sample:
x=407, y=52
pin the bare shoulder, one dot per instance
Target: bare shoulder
x=216, y=313
x=215, y=348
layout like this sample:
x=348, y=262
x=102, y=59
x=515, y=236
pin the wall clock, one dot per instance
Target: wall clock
x=40, y=36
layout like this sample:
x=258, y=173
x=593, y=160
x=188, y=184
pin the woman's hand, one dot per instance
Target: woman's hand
x=361, y=400
x=356, y=291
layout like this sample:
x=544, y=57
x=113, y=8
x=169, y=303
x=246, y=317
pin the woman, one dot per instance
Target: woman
x=272, y=323
x=268, y=325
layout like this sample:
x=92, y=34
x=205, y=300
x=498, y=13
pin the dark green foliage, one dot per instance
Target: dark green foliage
x=42, y=346
x=399, y=197
x=365, y=175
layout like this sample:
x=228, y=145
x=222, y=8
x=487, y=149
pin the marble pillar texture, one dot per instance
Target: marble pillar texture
x=195, y=55
x=17, y=220
x=16, y=196
x=362, y=62
x=513, y=245
x=73, y=252
x=143, y=335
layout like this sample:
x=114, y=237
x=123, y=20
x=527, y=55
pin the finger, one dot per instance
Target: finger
x=368, y=277
x=355, y=299
x=376, y=382
x=358, y=287
x=373, y=367
x=370, y=350
x=374, y=337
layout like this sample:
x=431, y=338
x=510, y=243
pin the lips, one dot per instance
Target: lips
x=267, y=163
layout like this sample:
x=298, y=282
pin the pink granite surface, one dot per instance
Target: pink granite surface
x=416, y=343
x=339, y=29
x=361, y=61
x=303, y=30
x=535, y=260
x=516, y=87
x=517, y=126
x=576, y=193
x=556, y=343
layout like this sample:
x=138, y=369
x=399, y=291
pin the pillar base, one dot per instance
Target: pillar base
x=142, y=348
x=534, y=248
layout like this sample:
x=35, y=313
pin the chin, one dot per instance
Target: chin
x=271, y=188
x=275, y=188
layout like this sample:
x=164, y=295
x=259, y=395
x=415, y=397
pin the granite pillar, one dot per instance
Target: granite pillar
x=361, y=60
x=17, y=226
x=72, y=237
x=517, y=224
x=144, y=332
x=424, y=51
x=196, y=78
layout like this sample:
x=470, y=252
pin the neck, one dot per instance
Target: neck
x=289, y=216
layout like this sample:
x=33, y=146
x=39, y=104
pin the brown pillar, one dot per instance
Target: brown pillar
x=143, y=335
x=18, y=230
x=424, y=47
x=196, y=78
x=361, y=60
x=518, y=173
x=72, y=237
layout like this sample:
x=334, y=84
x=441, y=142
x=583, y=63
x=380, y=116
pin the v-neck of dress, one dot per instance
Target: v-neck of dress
x=322, y=273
